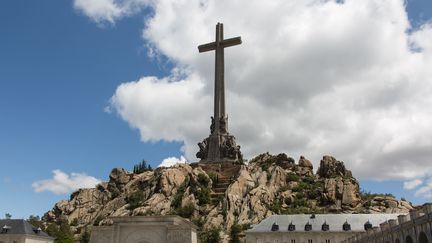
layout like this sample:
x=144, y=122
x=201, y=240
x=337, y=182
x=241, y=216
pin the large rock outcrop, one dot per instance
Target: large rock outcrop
x=267, y=185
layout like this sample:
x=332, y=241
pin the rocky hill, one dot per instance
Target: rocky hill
x=223, y=195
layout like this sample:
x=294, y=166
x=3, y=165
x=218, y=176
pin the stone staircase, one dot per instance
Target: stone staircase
x=225, y=171
x=219, y=188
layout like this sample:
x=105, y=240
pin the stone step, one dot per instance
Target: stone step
x=222, y=185
x=219, y=189
x=216, y=194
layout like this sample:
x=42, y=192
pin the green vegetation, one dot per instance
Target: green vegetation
x=214, y=177
x=74, y=222
x=61, y=231
x=35, y=221
x=98, y=220
x=186, y=211
x=235, y=233
x=199, y=222
x=142, y=167
x=203, y=195
x=292, y=177
x=203, y=180
x=177, y=199
x=367, y=195
x=211, y=235
x=85, y=237
x=266, y=159
x=135, y=200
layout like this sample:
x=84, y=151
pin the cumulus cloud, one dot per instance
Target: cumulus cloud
x=409, y=185
x=351, y=79
x=170, y=161
x=425, y=191
x=63, y=183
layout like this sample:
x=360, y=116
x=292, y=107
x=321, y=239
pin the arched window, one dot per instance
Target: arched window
x=423, y=238
x=397, y=241
x=408, y=239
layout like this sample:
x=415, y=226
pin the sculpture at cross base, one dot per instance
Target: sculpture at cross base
x=220, y=145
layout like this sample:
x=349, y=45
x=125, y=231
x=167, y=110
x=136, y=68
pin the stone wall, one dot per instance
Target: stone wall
x=415, y=227
x=142, y=229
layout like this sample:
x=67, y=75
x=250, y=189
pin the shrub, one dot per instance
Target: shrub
x=214, y=177
x=97, y=220
x=74, y=222
x=135, y=200
x=199, y=222
x=203, y=195
x=292, y=177
x=203, y=179
x=186, y=211
x=85, y=237
x=309, y=180
x=177, y=199
x=211, y=235
x=235, y=233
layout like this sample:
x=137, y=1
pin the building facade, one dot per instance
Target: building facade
x=21, y=231
x=313, y=228
x=146, y=229
x=415, y=227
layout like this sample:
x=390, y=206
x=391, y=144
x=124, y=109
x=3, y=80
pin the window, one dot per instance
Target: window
x=327, y=241
x=367, y=225
x=308, y=227
x=310, y=241
x=275, y=227
x=325, y=227
x=291, y=227
x=346, y=226
x=292, y=241
x=276, y=241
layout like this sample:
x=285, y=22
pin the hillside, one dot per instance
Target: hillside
x=220, y=196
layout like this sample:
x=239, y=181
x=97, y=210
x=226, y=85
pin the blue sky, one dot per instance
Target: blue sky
x=58, y=70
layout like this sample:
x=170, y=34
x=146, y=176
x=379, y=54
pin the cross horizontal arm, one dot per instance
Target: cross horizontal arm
x=207, y=47
x=225, y=43
x=231, y=42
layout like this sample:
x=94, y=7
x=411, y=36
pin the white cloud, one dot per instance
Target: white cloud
x=62, y=183
x=170, y=161
x=425, y=191
x=102, y=11
x=409, y=185
x=311, y=77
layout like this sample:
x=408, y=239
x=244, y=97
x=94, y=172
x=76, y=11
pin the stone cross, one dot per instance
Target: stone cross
x=219, y=91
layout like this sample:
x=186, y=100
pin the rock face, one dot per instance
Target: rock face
x=267, y=185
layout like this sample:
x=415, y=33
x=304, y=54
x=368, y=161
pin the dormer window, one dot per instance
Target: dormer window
x=5, y=229
x=291, y=227
x=368, y=225
x=37, y=230
x=325, y=227
x=275, y=227
x=308, y=227
x=346, y=226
